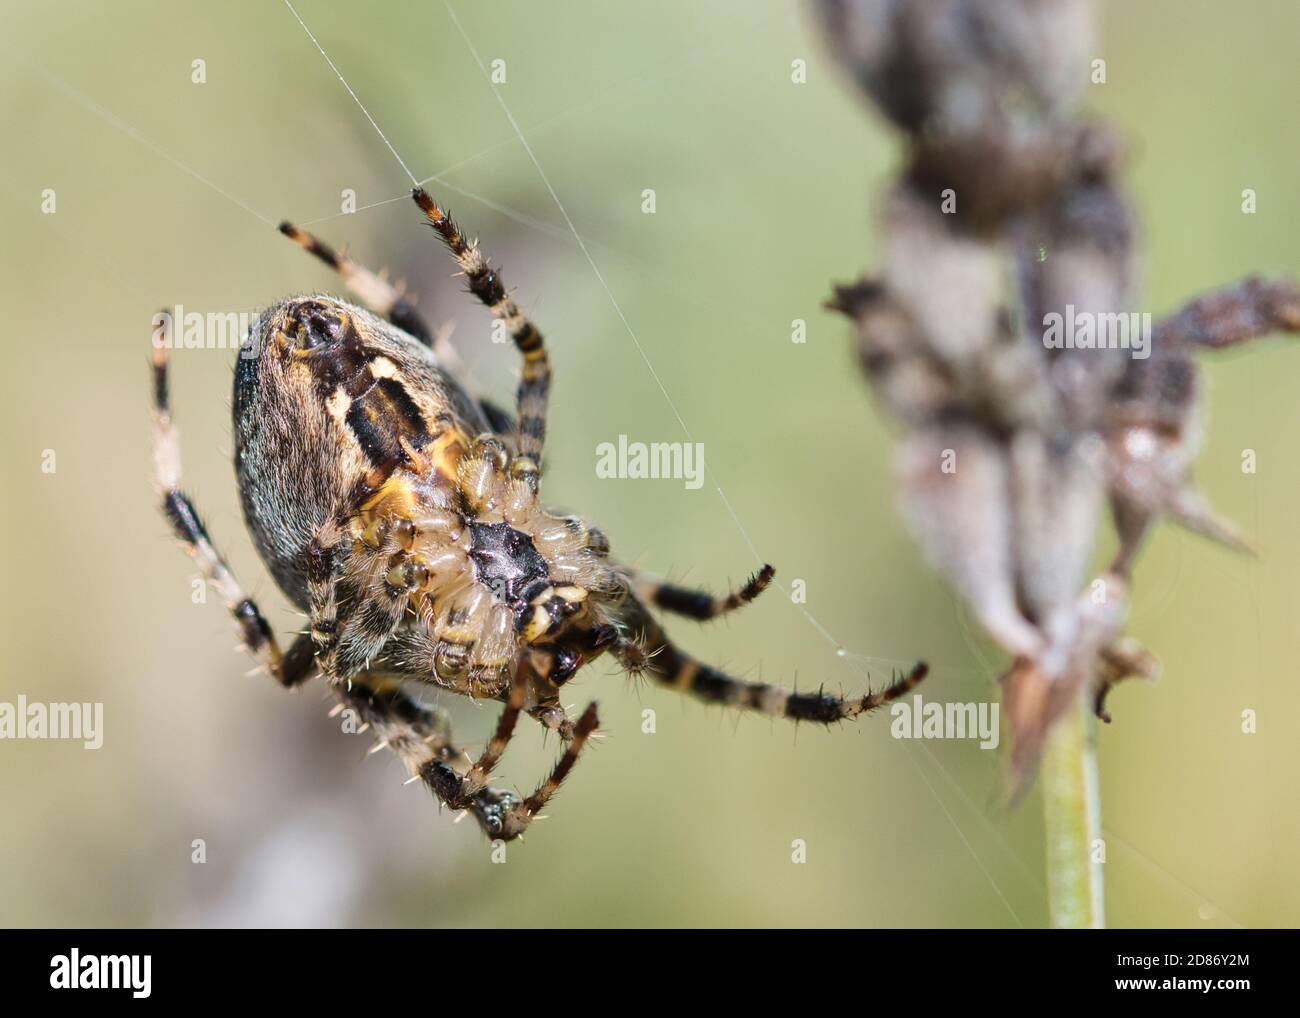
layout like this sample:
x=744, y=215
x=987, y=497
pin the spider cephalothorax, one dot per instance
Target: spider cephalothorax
x=401, y=513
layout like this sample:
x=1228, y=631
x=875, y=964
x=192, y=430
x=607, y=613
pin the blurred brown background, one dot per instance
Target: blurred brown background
x=764, y=196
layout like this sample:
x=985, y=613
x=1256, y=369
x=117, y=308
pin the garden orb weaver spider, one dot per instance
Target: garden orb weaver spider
x=401, y=514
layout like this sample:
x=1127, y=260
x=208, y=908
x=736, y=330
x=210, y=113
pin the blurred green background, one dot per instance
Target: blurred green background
x=764, y=195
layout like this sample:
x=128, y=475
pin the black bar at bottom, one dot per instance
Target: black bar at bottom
x=497, y=969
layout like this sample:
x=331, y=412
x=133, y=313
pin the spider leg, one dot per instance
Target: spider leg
x=359, y=600
x=643, y=646
x=549, y=673
x=420, y=735
x=326, y=554
x=299, y=661
x=416, y=732
x=475, y=779
x=374, y=615
x=351, y=616
x=185, y=522
x=518, y=816
x=501, y=814
x=485, y=284
x=429, y=754
x=370, y=288
x=553, y=717
x=697, y=604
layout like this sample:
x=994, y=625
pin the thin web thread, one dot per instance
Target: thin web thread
x=133, y=133
x=362, y=106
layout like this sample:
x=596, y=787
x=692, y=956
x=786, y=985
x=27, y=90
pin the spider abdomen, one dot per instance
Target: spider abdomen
x=330, y=401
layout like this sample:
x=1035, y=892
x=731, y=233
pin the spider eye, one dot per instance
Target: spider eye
x=318, y=325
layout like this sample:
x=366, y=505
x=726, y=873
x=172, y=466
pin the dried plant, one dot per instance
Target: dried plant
x=1001, y=332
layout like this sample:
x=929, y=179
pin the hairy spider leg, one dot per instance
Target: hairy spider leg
x=477, y=776
x=485, y=284
x=698, y=604
x=645, y=647
x=518, y=817
x=287, y=669
x=420, y=735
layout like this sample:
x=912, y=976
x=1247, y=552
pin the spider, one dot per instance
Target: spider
x=401, y=514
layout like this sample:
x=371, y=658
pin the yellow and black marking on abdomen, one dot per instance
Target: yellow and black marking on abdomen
x=387, y=424
x=365, y=390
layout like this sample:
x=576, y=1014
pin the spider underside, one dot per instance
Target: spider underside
x=401, y=514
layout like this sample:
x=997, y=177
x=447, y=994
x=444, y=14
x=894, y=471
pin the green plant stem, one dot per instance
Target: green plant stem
x=1072, y=823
